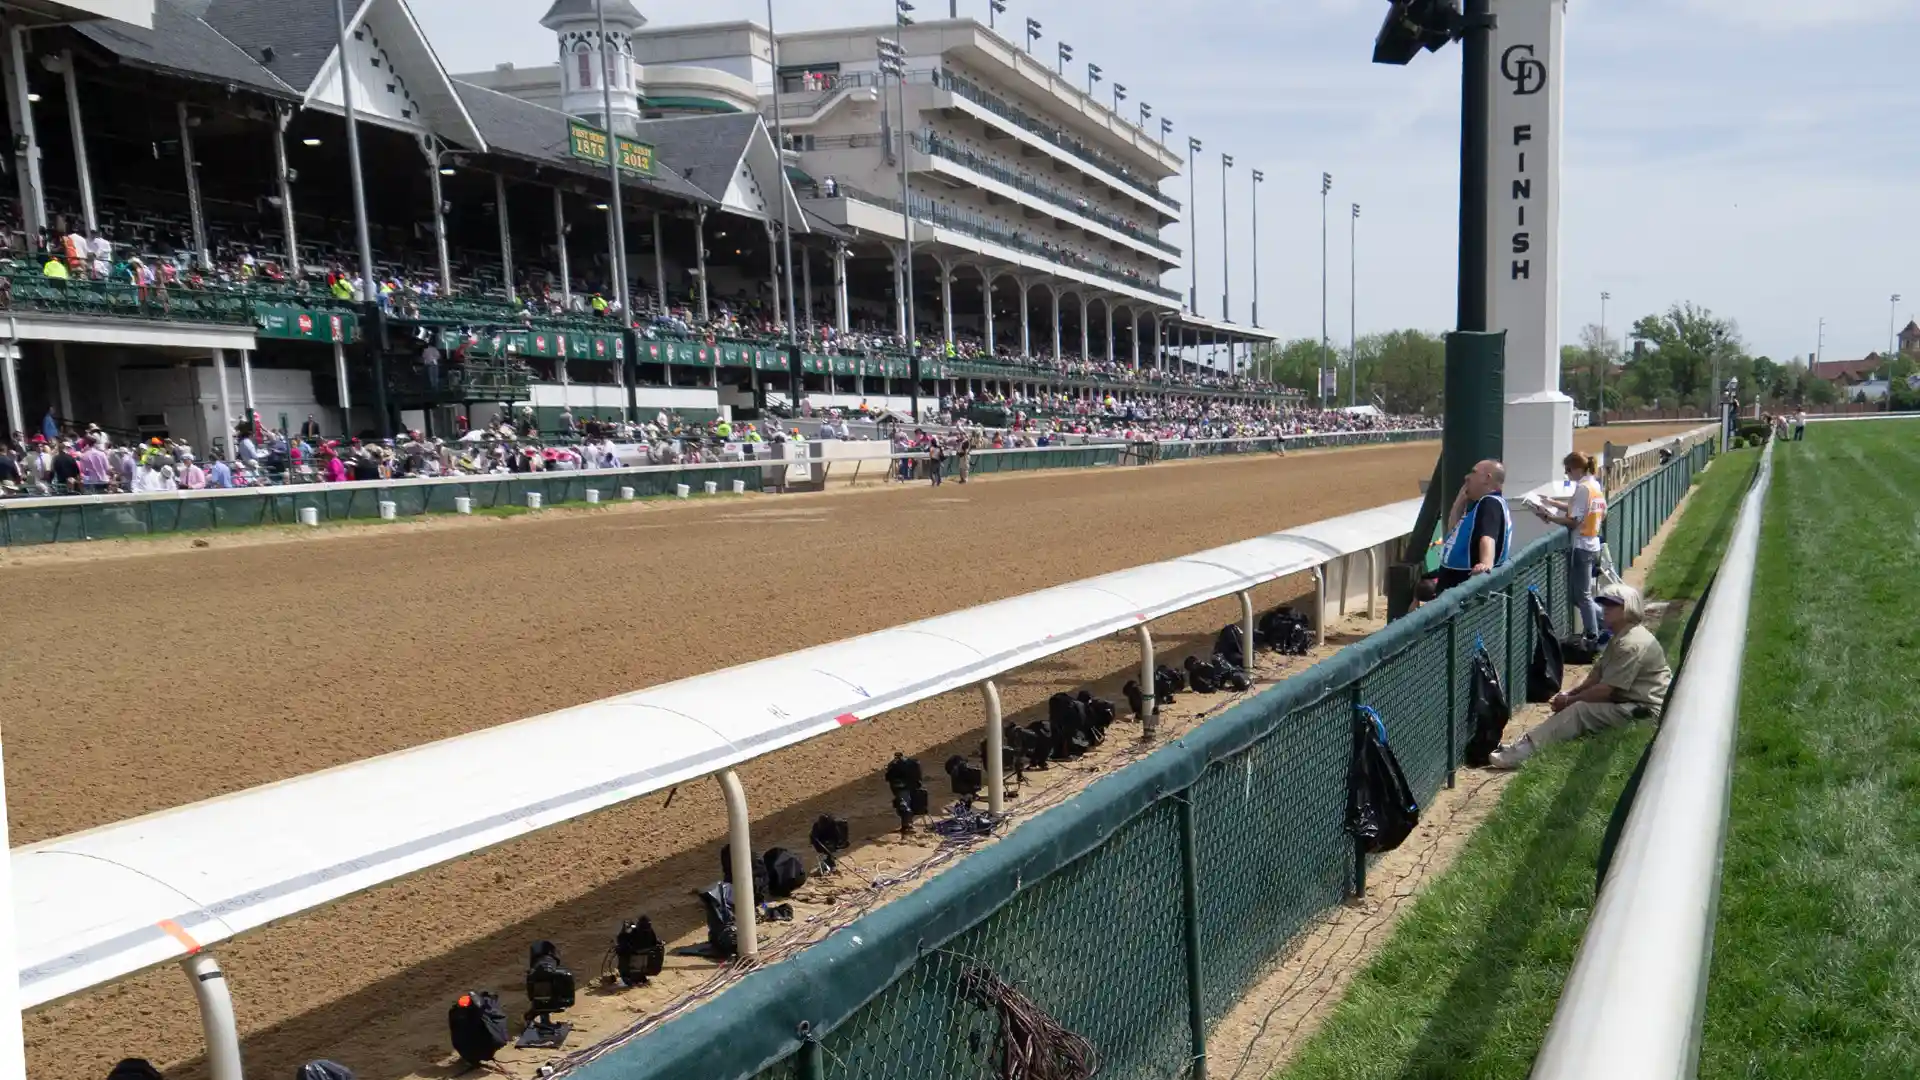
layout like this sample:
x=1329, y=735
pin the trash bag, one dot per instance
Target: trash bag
x=1487, y=709
x=1578, y=649
x=1381, y=809
x=1545, y=670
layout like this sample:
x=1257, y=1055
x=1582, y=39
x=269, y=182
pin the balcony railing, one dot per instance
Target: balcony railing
x=967, y=159
x=967, y=88
x=947, y=218
x=30, y=290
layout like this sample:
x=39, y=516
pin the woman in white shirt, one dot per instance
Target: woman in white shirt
x=1585, y=513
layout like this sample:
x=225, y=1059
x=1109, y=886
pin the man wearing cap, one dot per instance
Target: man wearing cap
x=1628, y=683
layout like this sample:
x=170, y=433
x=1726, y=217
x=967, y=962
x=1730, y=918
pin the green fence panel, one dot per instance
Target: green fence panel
x=1402, y=690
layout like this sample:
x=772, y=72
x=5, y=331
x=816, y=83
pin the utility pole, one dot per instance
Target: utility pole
x=1606, y=359
x=1353, y=315
x=1193, y=229
x=1326, y=186
x=1226, y=272
x=1258, y=177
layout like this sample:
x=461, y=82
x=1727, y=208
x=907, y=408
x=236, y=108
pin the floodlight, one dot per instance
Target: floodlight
x=1413, y=25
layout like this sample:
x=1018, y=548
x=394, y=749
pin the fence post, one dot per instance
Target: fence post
x=1506, y=599
x=1190, y=915
x=1359, y=850
x=1453, y=686
x=813, y=1063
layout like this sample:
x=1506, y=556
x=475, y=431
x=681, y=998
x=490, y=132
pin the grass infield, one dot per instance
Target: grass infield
x=1466, y=986
x=1816, y=956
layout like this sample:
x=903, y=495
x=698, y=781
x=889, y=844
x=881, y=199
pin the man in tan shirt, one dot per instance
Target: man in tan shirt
x=1628, y=683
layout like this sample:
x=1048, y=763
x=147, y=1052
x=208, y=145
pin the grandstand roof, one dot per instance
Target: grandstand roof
x=523, y=129
x=301, y=33
x=708, y=151
x=182, y=44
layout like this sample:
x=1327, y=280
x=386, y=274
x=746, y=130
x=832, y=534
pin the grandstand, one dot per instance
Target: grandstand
x=208, y=151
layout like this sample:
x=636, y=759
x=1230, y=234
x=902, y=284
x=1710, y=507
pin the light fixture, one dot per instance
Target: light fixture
x=549, y=990
x=638, y=952
x=829, y=836
x=33, y=97
x=311, y=140
x=909, y=798
x=1413, y=25
x=446, y=170
x=599, y=206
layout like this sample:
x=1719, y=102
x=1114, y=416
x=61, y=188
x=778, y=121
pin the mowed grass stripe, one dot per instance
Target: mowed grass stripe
x=1816, y=967
x=1468, y=983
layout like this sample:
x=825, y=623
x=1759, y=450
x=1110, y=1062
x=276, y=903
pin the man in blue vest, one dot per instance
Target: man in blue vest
x=1479, y=528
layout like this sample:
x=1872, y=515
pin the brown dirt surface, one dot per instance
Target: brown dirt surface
x=278, y=652
x=264, y=660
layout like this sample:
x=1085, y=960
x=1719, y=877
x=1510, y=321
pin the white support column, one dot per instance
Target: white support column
x=506, y=236
x=1026, y=320
x=281, y=117
x=33, y=195
x=700, y=257
x=560, y=242
x=1055, y=293
x=899, y=296
x=946, y=299
x=196, y=213
x=840, y=315
x=246, y=386
x=61, y=379
x=226, y=400
x=659, y=265
x=10, y=376
x=83, y=172
x=740, y=853
x=216, y=1015
x=773, y=271
x=1086, y=314
x=806, y=289
x=986, y=306
x=1523, y=289
x=1108, y=304
x=1133, y=335
x=340, y=382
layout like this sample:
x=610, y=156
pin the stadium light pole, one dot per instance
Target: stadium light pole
x=1893, y=335
x=1193, y=226
x=1326, y=186
x=1226, y=271
x=1119, y=95
x=1254, y=200
x=1353, y=311
x=618, y=216
x=1606, y=361
x=1093, y=76
x=369, y=291
x=780, y=151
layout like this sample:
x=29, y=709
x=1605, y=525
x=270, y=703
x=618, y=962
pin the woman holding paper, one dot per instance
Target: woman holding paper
x=1585, y=513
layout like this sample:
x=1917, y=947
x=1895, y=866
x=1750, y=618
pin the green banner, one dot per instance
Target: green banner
x=588, y=143
x=286, y=323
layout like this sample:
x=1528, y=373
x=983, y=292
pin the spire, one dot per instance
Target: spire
x=621, y=14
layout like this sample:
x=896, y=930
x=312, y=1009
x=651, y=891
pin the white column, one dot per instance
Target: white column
x=900, y=296
x=10, y=369
x=83, y=172
x=281, y=116
x=33, y=197
x=700, y=258
x=195, y=212
x=1055, y=293
x=1086, y=313
x=1026, y=326
x=946, y=300
x=340, y=382
x=1133, y=335
x=506, y=235
x=986, y=306
x=560, y=241
x=60, y=377
x=806, y=289
x=246, y=384
x=1524, y=242
x=659, y=264
x=226, y=401
x=840, y=315
x=1108, y=303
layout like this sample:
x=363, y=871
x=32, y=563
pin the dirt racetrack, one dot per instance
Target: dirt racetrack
x=151, y=674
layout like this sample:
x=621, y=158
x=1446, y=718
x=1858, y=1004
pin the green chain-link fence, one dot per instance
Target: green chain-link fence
x=1084, y=909
x=51, y=521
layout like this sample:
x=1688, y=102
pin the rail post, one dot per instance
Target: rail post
x=1320, y=605
x=1149, y=722
x=1246, y=631
x=1190, y=916
x=740, y=838
x=996, y=752
x=216, y=1015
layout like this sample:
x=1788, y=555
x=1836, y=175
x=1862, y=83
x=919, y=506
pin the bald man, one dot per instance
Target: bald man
x=1479, y=527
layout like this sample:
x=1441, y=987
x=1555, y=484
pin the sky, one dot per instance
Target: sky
x=1755, y=157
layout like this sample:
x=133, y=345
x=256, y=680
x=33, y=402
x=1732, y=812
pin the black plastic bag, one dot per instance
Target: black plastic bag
x=1381, y=809
x=1545, y=671
x=1579, y=650
x=1487, y=709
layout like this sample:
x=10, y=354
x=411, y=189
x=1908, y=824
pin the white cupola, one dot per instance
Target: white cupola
x=577, y=24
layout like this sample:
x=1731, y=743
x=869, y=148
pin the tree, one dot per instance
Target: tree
x=1295, y=364
x=1406, y=369
x=1686, y=349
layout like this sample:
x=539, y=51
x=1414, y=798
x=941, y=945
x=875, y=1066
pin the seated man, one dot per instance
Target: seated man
x=1628, y=683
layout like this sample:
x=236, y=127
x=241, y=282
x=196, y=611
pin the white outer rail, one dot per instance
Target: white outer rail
x=97, y=906
x=1633, y=1004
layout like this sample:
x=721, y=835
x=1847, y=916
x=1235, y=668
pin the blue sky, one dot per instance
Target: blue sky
x=1758, y=157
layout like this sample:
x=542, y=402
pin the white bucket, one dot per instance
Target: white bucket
x=462, y=504
x=712, y=488
x=534, y=500
x=309, y=515
x=626, y=493
x=388, y=510
x=739, y=487
x=681, y=491
x=593, y=495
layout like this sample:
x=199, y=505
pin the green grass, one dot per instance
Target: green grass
x=1816, y=969
x=1467, y=985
